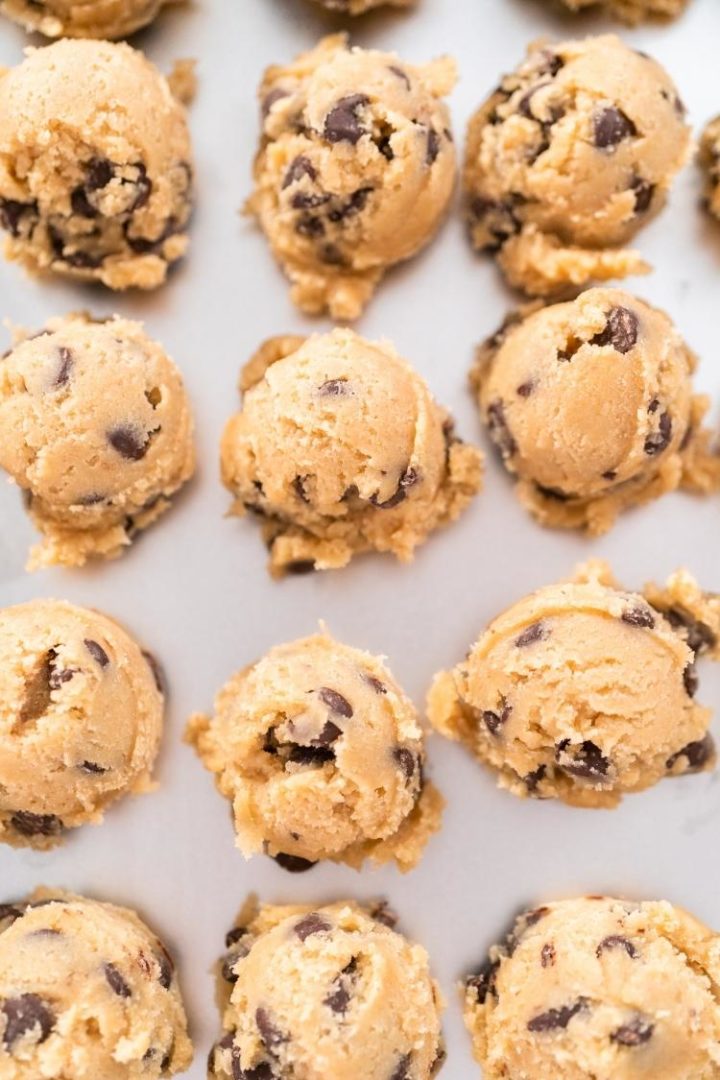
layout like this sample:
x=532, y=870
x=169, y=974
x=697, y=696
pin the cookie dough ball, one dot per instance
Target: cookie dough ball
x=584, y=692
x=590, y=404
x=93, y=184
x=571, y=155
x=355, y=170
x=321, y=755
x=632, y=11
x=331, y=993
x=95, y=427
x=341, y=449
x=87, y=992
x=82, y=18
x=710, y=161
x=80, y=706
x=599, y=989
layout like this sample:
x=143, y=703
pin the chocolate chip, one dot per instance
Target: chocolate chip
x=166, y=968
x=584, y=760
x=98, y=173
x=29, y=824
x=12, y=213
x=93, y=767
x=269, y=1033
x=402, y=1069
x=499, y=430
x=697, y=754
x=81, y=205
x=525, y=389
x=637, y=1032
x=299, y=167
x=690, y=679
x=129, y=441
x=406, y=760
x=643, y=191
x=433, y=146
x=621, y=330
x=532, y=779
x=382, y=913
x=329, y=734
x=351, y=206
x=495, y=720
x=10, y=911
x=547, y=955
x=116, y=981
x=658, y=441
x=335, y=701
x=305, y=200
x=378, y=686
x=609, y=474
x=532, y=918
x=343, y=988
x=483, y=982
x=60, y=676
x=700, y=638
x=157, y=672
x=294, y=864
x=314, y=923
x=65, y=365
x=310, y=226
x=537, y=631
x=498, y=219
x=616, y=941
x=400, y=74
x=24, y=1014
x=333, y=388
x=342, y=123
x=238, y=949
x=298, y=486
x=610, y=126
x=97, y=652
x=36, y=700
x=556, y=1019
x=311, y=755
x=300, y=566
x=271, y=97
x=639, y=616
x=408, y=479
x=144, y=185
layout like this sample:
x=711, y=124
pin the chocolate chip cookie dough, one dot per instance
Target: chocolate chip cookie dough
x=584, y=692
x=321, y=755
x=95, y=184
x=87, y=992
x=96, y=429
x=83, y=18
x=355, y=169
x=599, y=989
x=571, y=155
x=591, y=406
x=331, y=993
x=81, y=706
x=339, y=449
x=710, y=161
x=632, y=11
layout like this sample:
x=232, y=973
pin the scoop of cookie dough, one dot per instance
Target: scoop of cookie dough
x=321, y=755
x=355, y=170
x=590, y=404
x=331, y=993
x=82, y=18
x=571, y=155
x=584, y=692
x=710, y=162
x=599, y=989
x=632, y=11
x=341, y=449
x=81, y=706
x=87, y=992
x=95, y=427
x=97, y=184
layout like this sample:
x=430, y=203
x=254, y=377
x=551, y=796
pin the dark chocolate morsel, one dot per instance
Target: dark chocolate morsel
x=621, y=330
x=697, y=754
x=294, y=864
x=28, y=824
x=335, y=701
x=616, y=941
x=406, y=760
x=611, y=126
x=659, y=440
x=556, y=1019
x=499, y=430
x=547, y=955
x=129, y=442
x=483, y=982
x=402, y=1069
x=637, y=1032
x=333, y=388
x=537, y=631
x=314, y=923
x=23, y=1015
x=342, y=123
x=97, y=652
x=639, y=616
x=269, y=1033
x=584, y=760
x=342, y=988
x=116, y=981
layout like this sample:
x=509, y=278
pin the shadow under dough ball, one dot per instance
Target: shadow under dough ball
x=591, y=406
x=355, y=170
x=584, y=692
x=81, y=706
x=597, y=988
x=573, y=153
x=95, y=185
x=86, y=991
x=96, y=429
x=321, y=755
x=108, y=19
x=332, y=993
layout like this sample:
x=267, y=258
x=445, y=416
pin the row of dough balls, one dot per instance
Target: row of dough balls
x=568, y=158
x=339, y=447
x=582, y=692
x=593, y=987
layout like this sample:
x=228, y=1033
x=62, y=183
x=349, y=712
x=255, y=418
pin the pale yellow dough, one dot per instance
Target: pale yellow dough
x=329, y=993
x=573, y=153
x=633, y=11
x=81, y=707
x=87, y=992
x=340, y=449
x=355, y=169
x=599, y=989
x=591, y=406
x=95, y=184
x=96, y=429
x=584, y=692
x=83, y=18
x=321, y=755
x=710, y=161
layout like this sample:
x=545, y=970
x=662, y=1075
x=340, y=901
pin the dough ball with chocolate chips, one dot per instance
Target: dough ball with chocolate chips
x=81, y=712
x=87, y=992
x=710, y=162
x=359, y=7
x=95, y=179
x=341, y=449
x=591, y=406
x=599, y=989
x=355, y=170
x=321, y=755
x=96, y=429
x=584, y=692
x=332, y=993
x=632, y=11
x=88, y=19
x=571, y=155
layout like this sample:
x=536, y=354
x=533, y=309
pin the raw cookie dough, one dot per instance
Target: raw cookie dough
x=341, y=449
x=583, y=692
x=93, y=184
x=710, y=161
x=571, y=155
x=599, y=989
x=321, y=755
x=330, y=993
x=359, y=7
x=355, y=170
x=95, y=427
x=87, y=992
x=82, y=18
x=591, y=406
x=632, y=11
x=81, y=706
